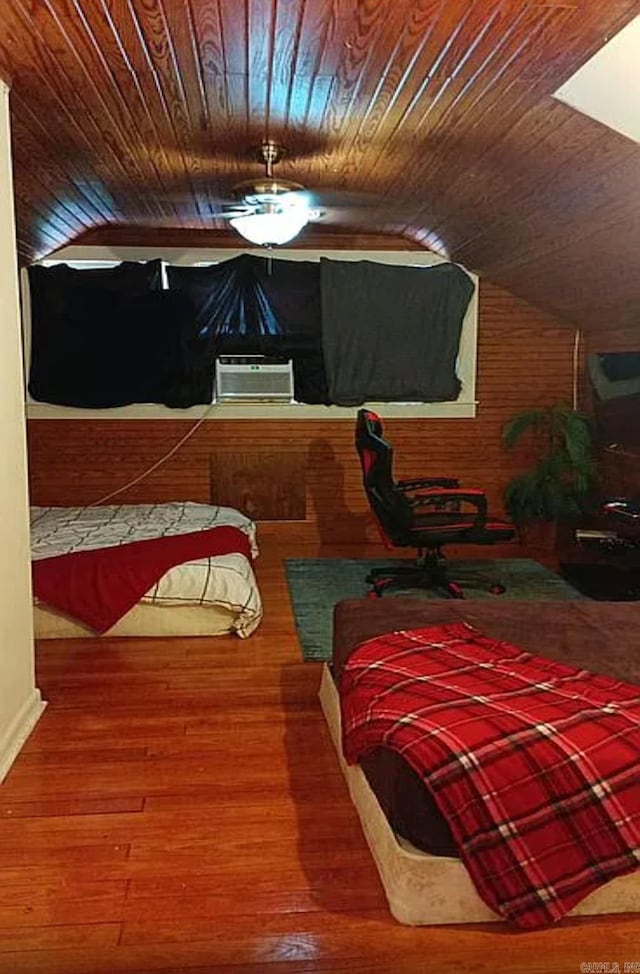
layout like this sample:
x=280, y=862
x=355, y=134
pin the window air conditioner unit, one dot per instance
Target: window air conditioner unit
x=254, y=377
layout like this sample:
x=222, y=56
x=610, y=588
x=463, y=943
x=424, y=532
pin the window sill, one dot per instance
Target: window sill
x=254, y=410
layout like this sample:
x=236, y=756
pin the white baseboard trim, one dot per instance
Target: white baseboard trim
x=19, y=730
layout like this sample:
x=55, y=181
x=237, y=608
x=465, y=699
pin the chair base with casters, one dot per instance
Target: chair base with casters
x=428, y=571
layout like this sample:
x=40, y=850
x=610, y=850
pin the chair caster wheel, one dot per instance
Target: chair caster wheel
x=497, y=589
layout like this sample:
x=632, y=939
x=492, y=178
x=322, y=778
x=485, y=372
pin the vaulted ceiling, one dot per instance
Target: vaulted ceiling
x=141, y=113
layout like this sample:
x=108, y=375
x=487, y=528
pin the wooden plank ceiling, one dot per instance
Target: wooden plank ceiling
x=141, y=113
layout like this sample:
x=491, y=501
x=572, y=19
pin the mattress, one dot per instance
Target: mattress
x=143, y=620
x=599, y=636
x=222, y=585
x=425, y=889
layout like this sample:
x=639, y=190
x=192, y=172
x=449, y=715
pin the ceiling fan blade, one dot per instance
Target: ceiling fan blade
x=230, y=210
x=342, y=197
x=381, y=219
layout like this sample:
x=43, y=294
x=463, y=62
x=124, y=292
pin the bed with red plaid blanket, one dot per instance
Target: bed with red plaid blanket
x=533, y=763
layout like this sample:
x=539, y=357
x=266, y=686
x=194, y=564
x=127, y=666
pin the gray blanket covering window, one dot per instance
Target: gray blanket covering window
x=390, y=333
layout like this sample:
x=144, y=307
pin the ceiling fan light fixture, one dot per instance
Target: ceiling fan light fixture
x=272, y=224
x=278, y=209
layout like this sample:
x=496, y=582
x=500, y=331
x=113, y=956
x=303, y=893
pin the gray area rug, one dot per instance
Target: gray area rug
x=316, y=584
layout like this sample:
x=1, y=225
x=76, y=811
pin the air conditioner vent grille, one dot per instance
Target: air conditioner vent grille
x=254, y=377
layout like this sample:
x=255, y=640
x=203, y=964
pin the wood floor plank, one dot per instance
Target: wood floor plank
x=94, y=936
x=157, y=775
x=216, y=905
x=276, y=879
x=182, y=700
x=54, y=808
x=64, y=730
x=208, y=802
x=62, y=853
x=68, y=757
x=57, y=903
x=301, y=937
x=232, y=822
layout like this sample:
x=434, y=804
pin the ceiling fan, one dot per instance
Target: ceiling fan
x=269, y=210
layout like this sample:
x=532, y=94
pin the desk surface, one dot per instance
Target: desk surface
x=590, y=553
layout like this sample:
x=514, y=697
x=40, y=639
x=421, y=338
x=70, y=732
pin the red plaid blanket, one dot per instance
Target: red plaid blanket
x=533, y=763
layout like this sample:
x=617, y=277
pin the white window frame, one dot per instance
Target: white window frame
x=465, y=406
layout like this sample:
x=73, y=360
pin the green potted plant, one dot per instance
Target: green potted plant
x=558, y=486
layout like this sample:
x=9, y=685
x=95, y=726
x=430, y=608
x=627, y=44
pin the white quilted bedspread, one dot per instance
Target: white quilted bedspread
x=224, y=580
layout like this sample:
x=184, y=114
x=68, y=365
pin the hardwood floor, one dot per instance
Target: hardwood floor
x=179, y=808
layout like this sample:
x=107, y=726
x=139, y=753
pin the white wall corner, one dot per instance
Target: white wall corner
x=20, y=701
x=19, y=729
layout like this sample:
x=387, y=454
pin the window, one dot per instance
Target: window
x=96, y=257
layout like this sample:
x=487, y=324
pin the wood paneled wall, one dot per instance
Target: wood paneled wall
x=525, y=358
x=312, y=237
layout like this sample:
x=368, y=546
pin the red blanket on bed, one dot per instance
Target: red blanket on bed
x=99, y=587
x=533, y=763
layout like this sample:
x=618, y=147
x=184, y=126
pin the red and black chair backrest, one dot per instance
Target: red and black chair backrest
x=392, y=511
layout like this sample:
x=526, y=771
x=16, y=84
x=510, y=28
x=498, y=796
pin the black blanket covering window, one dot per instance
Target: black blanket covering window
x=260, y=306
x=392, y=333
x=110, y=337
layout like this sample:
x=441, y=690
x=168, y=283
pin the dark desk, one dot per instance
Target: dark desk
x=605, y=570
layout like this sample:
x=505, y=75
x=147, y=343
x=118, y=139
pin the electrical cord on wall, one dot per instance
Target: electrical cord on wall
x=576, y=366
x=158, y=463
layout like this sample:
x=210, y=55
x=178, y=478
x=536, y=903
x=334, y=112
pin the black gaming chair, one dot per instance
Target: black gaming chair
x=425, y=514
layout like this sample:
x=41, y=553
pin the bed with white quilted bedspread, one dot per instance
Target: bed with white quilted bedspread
x=221, y=580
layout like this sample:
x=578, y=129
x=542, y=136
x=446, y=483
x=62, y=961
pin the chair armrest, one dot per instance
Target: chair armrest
x=477, y=498
x=404, y=485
